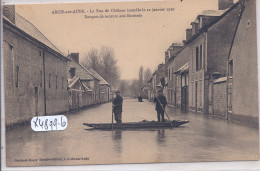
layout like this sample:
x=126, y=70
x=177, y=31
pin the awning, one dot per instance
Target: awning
x=184, y=68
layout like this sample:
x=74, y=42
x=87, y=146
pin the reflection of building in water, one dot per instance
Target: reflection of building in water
x=117, y=137
x=160, y=136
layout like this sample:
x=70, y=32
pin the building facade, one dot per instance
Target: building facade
x=242, y=69
x=83, y=87
x=35, y=78
x=104, y=87
x=218, y=64
x=156, y=82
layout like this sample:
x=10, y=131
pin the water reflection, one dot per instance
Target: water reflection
x=117, y=137
x=203, y=139
x=160, y=136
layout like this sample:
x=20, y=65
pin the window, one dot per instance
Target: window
x=192, y=60
x=197, y=58
x=56, y=81
x=41, y=79
x=231, y=67
x=200, y=65
x=169, y=74
x=192, y=93
x=201, y=95
x=49, y=80
x=183, y=80
x=17, y=76
x=172, y=72
x=62, y=82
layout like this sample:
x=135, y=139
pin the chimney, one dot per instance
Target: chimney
x=9, y=12
x=224, y=4
x=195, y=27
x=166, y=56
x=72, y=72
x=75, y=57
x=188, y=34
x=175, y=48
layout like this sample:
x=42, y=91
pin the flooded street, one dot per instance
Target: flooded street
x=204, y=138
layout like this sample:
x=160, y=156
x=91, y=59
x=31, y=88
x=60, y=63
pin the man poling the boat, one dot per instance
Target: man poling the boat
x=117, y=107
x=161, y=102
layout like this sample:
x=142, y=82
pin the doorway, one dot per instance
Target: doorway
x=196, y=96
x=36, y=100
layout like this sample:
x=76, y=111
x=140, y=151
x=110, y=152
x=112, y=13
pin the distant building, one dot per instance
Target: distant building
x=104, y=87
x=35, y=78
x=83, y=86
x=176, y=75
x=204, y=53
x=145, y=91
x=156, y=80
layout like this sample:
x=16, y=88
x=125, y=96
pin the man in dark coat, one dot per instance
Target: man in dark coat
x=117, y=107
x=161, y=102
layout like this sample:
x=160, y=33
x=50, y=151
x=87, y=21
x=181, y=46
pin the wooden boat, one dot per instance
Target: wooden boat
x=137, y=125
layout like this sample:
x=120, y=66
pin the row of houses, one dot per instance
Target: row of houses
x=214, y=71
x=38, y=79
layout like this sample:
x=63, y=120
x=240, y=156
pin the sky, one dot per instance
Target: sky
x=137, y=41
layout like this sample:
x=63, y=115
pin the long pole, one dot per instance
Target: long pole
x=165, y=111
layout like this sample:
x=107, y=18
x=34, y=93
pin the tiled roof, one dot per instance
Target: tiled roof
x=30, y=29
x=95, y=74
x=75, y=79
x=212, y=12
x=221, y=14
x=81, y=72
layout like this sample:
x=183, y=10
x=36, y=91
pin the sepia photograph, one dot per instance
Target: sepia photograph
x=93, y=83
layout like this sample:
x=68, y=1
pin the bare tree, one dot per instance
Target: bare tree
x=93, y=60
x=141, y=76
x=110, y=69
x=123, y=87
x=147, y=75
x=103, y=61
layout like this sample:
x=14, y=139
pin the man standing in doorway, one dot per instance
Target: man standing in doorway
x=161, y=102
x=117, y=107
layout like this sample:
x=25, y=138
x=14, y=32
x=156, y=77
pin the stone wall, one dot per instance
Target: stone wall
x=220, y=98
x=24, y=78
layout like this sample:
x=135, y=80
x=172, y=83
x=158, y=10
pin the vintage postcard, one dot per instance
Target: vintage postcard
x=130, y=82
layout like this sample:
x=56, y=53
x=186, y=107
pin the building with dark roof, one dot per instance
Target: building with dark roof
x=35, y=78
x=242, y=99
x=104, y=87
x=215, y=70
x=205, y=50
x=83, y=86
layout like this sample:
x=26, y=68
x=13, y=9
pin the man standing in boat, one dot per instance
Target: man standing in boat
x=161, y=102
x=117, y=107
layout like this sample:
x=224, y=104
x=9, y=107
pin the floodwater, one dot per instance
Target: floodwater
x=204, y=138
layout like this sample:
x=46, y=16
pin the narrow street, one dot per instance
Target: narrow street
x=204, y=138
